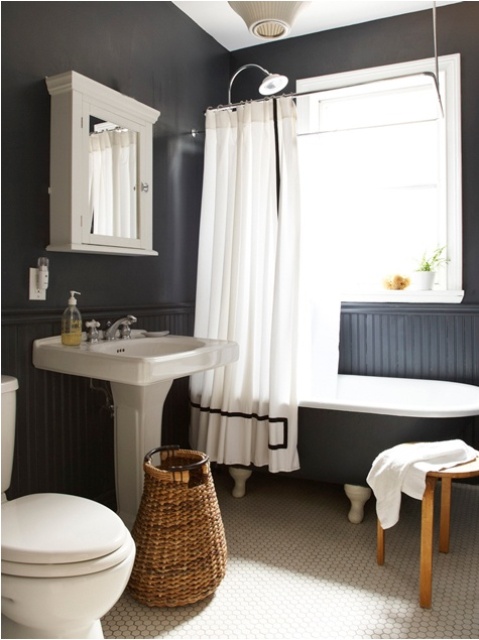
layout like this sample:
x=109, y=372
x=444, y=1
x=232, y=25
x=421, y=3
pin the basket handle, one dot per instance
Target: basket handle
x=175, y=447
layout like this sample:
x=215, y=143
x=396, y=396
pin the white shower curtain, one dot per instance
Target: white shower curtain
x=112, y=185
x=248, y=281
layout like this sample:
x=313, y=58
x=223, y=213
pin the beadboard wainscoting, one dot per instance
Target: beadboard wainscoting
x=430, y=341
x=64, y=438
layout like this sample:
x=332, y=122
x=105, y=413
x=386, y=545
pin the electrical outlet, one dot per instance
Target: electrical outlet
x=35, y=292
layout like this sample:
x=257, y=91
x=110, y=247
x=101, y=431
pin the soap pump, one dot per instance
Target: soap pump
x=71, y=322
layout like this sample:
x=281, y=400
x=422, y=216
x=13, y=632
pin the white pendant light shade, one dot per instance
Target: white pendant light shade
x=268, y=20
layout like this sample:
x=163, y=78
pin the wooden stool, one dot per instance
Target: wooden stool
x=468, y=470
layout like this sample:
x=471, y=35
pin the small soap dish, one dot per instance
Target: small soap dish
x=155, y=334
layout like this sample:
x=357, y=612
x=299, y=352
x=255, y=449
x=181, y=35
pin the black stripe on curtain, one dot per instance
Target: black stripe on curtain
x=250, y=416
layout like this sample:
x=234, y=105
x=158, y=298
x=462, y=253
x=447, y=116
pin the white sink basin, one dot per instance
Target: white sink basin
x=138, y=361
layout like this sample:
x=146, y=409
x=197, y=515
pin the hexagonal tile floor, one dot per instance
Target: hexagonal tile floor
x=298, y=569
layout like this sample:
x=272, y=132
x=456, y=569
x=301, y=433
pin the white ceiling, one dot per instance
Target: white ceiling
x=218, y=19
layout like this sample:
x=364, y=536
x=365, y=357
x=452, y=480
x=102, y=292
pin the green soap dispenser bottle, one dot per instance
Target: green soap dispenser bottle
x=71, y=322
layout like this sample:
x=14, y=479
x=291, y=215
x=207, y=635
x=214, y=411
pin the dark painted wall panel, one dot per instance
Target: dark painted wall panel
x=438, y=342
x=150, y=51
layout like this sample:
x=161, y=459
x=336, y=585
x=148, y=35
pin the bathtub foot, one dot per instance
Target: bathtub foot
x=358, y=496
x=239, y=475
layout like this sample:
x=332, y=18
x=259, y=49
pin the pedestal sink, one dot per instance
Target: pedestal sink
x=140, y=371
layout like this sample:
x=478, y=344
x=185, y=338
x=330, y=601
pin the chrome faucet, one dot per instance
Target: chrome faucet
x=123, y=324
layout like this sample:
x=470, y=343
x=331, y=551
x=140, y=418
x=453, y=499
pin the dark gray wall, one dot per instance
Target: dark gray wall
x=398, y=39
x=154, y=53
x=147, y=50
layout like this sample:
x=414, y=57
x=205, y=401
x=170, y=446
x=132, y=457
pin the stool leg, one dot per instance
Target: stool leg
x=380, y=544
x=427, y=530
x=445, y=522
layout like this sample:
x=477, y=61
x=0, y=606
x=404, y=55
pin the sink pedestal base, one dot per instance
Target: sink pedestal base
x=138, y=416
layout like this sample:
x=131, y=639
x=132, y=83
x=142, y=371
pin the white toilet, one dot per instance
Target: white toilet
x=65, y=560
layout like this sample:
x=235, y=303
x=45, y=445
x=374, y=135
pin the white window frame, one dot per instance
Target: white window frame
x=450, y=88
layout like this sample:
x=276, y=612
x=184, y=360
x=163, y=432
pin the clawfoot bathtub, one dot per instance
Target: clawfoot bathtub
x=339, y=438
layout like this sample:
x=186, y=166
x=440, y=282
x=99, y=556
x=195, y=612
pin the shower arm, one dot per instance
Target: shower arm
x=238, y=71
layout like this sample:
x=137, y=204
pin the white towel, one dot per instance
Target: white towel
x=403, y=468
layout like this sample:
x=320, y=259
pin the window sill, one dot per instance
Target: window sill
x=444, y=297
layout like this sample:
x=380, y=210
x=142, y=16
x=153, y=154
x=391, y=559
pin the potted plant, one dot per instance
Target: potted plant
x=427, y=267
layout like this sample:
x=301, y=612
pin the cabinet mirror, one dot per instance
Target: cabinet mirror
x=112, y=180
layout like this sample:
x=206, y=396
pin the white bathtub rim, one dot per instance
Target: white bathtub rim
x=400, y=397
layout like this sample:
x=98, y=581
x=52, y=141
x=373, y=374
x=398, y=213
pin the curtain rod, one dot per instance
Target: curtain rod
x=430, y=74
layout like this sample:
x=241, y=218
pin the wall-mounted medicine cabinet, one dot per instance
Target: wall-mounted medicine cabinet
x=101, y=167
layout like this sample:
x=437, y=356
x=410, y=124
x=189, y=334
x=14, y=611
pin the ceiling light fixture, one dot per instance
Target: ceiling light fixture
x=268, y=20
x=273, y=82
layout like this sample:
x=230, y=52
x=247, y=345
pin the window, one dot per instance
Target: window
x=381, y=179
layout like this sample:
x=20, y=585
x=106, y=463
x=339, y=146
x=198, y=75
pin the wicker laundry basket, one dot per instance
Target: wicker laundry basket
x=178, y=531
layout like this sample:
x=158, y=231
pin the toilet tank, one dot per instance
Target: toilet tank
x=9, y=392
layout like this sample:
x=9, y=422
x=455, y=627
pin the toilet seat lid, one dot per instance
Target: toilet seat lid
x=52, y=528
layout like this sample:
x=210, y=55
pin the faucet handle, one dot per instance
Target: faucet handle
x=92, y=334
x=125, y=331
x=125, y=327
